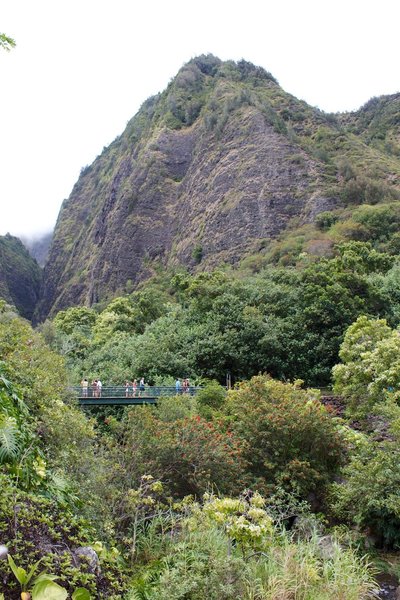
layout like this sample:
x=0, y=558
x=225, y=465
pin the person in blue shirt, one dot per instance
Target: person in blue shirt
x=178, y=386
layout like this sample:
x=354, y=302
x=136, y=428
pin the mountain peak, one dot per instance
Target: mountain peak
x=216, y=167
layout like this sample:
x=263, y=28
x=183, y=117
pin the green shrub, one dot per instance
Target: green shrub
x=380, y=221
x=197, y=253
x=177, y=407
x=292, y=440
x=189, y=455
x=369, y=496
x=325, y=220
x=211, y=397
x=197, y=567
x=370, y=365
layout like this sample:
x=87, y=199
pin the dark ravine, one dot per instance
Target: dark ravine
x=213, y=169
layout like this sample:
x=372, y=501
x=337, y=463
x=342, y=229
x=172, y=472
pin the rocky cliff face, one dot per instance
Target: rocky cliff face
x=212, y=169
x=20, y=276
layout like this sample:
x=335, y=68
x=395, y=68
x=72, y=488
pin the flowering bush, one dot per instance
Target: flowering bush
x=243, y=520
x=189, y=455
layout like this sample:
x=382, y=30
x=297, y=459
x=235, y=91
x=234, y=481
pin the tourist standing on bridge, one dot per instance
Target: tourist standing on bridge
x=134, y=388
x=141, y=386
x=85, y=385
x=99, y=387
x=94, y=388
x=178, y=386
x=126, y=389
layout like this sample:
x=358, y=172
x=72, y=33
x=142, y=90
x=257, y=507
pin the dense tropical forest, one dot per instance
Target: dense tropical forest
x=260, y=492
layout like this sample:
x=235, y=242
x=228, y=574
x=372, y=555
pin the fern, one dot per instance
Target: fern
x=10, y=403
x=9, y=447
x=145, y=582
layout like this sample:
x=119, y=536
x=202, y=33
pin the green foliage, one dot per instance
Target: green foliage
x=229, y=548
x=244, y=520
x=172, y=408
x=150, y=304
x=302, y=570
x=136, y=508
x=365, y=190
x=118, y=316
x=368, y=378
x=210, y=398
x=38, y=530
x=197, y=567
x=207, y=63
x=370, y=365
x=6, y=43
x=380, y=221
x=20, y=454
x=369, y=495
x=8, y=439
x=79, y=316
x=40, y=378
x=197, y=253
x=44, y=586
x=57, y=452
x=21, y=575
x=81, y=594
x=287, y=322
x=264, y=435
x=46, y=589
x=189, y=454
x=325, y=220
x=376, y=121
x=291, y=439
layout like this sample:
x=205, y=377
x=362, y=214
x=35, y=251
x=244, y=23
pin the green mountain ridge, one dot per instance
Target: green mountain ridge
x=221, y=166
x=20, y=276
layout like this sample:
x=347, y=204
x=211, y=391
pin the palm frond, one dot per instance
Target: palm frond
x=8, y=438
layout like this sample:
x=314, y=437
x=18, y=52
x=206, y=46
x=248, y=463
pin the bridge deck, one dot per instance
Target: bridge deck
x=119, y=395
x=115, y=401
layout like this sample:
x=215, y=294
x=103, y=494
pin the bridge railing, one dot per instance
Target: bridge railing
x=150, y=391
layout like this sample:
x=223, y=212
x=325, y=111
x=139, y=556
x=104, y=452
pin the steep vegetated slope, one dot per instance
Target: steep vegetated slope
x=20, y=276
x=222, y=165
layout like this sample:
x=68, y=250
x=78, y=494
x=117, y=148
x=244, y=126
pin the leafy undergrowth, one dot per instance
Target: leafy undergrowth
x=230, y=548
x=36, y=528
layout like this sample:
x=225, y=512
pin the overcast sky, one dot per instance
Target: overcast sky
x=82, y=68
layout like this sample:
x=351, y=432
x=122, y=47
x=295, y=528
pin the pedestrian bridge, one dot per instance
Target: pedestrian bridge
x=118, y=395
